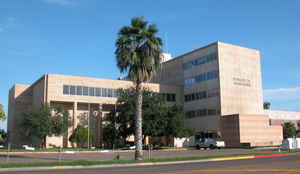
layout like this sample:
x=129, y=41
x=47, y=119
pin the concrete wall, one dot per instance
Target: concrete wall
x=209, y=122
x=20, y=98
x=49, y=89
x=257, y=130
x=230, y=126
x=240, y=80
x=55, y=84
x=253, y=130
x=171, y=73
x=38, y=88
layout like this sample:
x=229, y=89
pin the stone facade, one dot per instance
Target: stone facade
x=237, y=90
x=49, y=89
x=220, y=86
x=250, y=130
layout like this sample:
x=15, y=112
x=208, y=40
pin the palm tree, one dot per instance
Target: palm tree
x=139, y=54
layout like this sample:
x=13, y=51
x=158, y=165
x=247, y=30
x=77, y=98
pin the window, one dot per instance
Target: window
x=66, y=89
x=211, y=112
x=190, y=114
x=97, y=92
x=213, y=93
x=174, y=97
x=109, y=92
x=187, y=65
x=104, y=92
x=192, y=97
x=85, y=91
x=189, y=81
x=202, y=112
x=168, y=97
x=202, y=94
x=200, y=61
x=79, y=90
x=72, y=90
x=114, y=93
x=91, y=91
x=185, y=98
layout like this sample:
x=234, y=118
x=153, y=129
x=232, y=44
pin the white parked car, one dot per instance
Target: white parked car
x=209, y=143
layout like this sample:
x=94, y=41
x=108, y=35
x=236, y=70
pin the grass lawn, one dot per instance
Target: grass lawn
x=121, y=161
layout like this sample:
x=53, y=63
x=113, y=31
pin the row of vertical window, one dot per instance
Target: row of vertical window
x=89, y=91
x=103, y=92
x=200, y=61
x=201, y=78
x=169, y=97
x=201, y=95
x=202, y=112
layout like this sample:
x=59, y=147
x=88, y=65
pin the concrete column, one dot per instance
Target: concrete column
x=89, y=119
x=75, y=118
x=99, y=135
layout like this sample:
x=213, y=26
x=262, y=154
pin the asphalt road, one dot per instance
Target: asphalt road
x=48, y=157
x=278, y=165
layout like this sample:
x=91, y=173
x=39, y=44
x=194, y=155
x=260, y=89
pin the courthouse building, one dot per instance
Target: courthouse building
x=219, y=85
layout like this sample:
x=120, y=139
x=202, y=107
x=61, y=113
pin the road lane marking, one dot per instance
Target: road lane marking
x=233, y=158
x=146, y=164
x=62, y=167
x=234, y=171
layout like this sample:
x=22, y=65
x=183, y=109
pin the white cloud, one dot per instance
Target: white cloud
x=282, y=94
x=60, y=2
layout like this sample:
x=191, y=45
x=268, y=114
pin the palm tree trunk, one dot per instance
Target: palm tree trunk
x=138, y=123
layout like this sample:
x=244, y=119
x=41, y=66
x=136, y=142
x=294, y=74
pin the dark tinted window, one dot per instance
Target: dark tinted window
x=85, y=91
x=72, y=90
x=115, y=93
x=91, y=91
x=109, y=93
x=79, y=90
x=97, y=92
x=66, y=89
x=104, y=92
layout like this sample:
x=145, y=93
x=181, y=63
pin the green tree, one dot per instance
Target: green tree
x=38, y=122
x=154, y=114
x=3, y=135
x=2, y=118
x=267, y=105
x=60, y=121
x=109, y=135
x=2, y=113
x=158, y=119
x=298, y=131
x=139, y=54
x=176, y=123
x=289, y=130
x=80, y=136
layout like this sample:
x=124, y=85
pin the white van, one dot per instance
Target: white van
x=209, y=143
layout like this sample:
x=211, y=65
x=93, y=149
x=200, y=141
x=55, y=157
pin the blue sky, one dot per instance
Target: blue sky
x=77, y=37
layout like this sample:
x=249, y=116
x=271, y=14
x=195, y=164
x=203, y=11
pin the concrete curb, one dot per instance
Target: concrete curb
x=147, y=163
